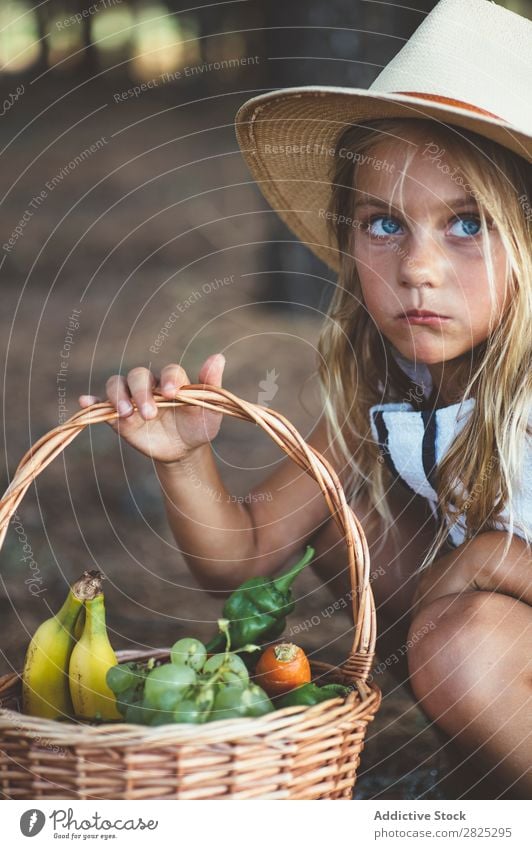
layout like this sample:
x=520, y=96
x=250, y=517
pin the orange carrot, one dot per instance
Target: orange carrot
x=282, y=668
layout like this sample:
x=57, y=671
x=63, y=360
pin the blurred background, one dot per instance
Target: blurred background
x=125, y=196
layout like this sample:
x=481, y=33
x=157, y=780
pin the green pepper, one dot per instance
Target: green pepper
x=258, y=608
x=311, y=694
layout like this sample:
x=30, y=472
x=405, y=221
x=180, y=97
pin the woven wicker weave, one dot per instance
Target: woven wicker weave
x=293, y=753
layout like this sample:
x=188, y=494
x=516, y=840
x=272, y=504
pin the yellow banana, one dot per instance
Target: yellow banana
x=45, y=684
x=80, y=624
x=90, y=661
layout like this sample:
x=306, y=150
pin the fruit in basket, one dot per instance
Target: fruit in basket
x=196, y=706
x=169, y=700
x=281, y=668
x=234, y=669
x=187, y=711
x=189, y=651
x=138, y=714
x=169, y=678
x=233, y=700
x=150, y=704
x=126, y=680
x=80, y=624
x=91, y=659
x=256, y=701
x=45, y=681
x=258, y=608
x=121, y=677
x=228, y=702
x=188, y=692
x=312, y=694
x=224, y=690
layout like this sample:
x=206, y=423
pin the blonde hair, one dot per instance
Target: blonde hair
x=356, y=368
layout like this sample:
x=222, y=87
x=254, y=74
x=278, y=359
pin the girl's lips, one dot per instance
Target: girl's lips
x=424, y=319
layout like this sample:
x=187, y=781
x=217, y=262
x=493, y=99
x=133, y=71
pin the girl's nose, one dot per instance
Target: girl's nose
x=422, y=263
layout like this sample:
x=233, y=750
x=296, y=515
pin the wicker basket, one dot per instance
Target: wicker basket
x=293, y=753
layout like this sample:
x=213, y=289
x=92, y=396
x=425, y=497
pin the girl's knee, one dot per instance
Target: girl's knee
x=503, y=565
x=493, y=561
x=444, y=663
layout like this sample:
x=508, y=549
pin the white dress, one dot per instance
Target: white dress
x=413, y=443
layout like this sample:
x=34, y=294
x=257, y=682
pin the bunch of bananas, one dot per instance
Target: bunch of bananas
x=68, y=659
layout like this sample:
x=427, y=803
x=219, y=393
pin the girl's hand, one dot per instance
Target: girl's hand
x=170, y=433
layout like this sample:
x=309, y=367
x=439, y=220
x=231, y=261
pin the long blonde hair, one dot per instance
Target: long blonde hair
x=479, y=474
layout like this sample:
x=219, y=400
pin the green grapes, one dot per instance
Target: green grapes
x=234, y=672
x=121, y=678
x=190, y=652
x=255, y=701
x=168, y=677
x=228, y=702
x=191, y=688
x=188, y=711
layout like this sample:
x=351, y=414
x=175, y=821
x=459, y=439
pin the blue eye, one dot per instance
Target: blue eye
x=467, y=221
x=388, y=223
x=380, y=226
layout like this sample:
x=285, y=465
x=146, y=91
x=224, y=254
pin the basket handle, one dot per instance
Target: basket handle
x=358, y=665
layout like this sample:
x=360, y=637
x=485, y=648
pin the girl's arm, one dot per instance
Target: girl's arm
x=223, y=540
x=226, y=541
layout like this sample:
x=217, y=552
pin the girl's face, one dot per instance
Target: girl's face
x=430, y=258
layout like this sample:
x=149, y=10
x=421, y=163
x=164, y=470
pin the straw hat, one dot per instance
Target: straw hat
x=468, y=64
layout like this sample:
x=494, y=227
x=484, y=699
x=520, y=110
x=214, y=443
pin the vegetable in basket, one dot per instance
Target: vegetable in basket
x=312, y=694
x=45, y=681
x=258, y=608
x=281, y=668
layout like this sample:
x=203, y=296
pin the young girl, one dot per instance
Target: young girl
x=418, y=192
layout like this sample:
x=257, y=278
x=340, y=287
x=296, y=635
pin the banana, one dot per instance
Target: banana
x=90, y=661
x=45, y=684
x=80, y=624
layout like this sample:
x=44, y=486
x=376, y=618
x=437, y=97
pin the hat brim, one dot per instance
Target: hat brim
x=286, y=138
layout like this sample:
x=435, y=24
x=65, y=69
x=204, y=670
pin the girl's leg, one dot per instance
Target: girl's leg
x=469, y=653
x=480, y=564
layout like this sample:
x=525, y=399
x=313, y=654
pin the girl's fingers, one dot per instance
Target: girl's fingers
x=118, y=395
x=212, y=370
x=87, y=400
x=173, y=377
x=141, y=384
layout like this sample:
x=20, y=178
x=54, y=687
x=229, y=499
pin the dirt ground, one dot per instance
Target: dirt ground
x=151, y=220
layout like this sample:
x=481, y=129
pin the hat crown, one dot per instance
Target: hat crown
x=468, y=65
x=477, y=53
